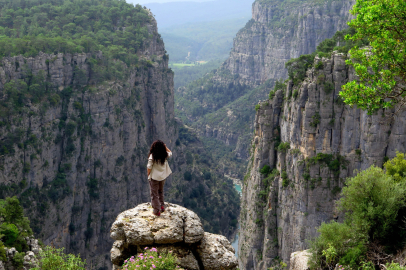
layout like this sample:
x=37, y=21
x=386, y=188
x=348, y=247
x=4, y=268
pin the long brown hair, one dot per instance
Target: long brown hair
x=158, y=152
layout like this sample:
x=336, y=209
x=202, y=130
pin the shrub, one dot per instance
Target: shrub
x=10, y=233
x=394, y=266
x=374, y=203
x=2, y=252
x=55, y=259
x=295, y=93
x=396, y=167
x=187, y=176
x=334, y=236
x=315, y=119
x=18, y=260
x=283, y=147
x=265, y=170
x=328, y=87
x=285, y=180
x=151, y=259
x=257, y=107
x=120, y=160
x=373, y=199
x=319, y=65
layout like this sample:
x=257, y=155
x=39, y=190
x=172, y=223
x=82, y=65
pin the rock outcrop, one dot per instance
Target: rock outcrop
x=178, y=230
x=30, y=258
x=325, y=142
x=299, y=260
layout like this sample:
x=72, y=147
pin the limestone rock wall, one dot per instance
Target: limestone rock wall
x=302, y=196
x=84, y=159
x=279, y=32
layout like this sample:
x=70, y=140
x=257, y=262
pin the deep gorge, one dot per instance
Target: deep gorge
x=85, y=92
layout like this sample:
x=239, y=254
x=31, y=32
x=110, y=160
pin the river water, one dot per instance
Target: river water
x=235, y=242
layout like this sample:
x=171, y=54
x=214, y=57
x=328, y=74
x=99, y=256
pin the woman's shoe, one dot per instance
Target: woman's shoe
x=156, y=213
x=162, y=209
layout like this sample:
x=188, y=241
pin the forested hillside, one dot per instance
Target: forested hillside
x=85, y=89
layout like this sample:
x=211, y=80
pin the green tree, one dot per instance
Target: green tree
x=381, y=67
x=397, y=167
x=372, y=200
x=374, y=203
x=14, y=226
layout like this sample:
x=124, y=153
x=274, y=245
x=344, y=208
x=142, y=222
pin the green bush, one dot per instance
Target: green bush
x=14, y=226
x=394, y=266
x=285, y=180
x=315, y=119
x=265, y=170
x=56, y=259
x=295, y=93
x=396, y=167
x=10, y=233
x=187, y=176
x=374, y=203
x=372, y=200
x=257, y=107
x=283, y=147
x=3, y=256
x=328, y=87
x=339, y=237
x=18, y=260
x=319, y=65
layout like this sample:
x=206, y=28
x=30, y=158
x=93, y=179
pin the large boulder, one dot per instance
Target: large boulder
x=299, y=260
x=216, y=252
x=178, y=230
x=138, y=226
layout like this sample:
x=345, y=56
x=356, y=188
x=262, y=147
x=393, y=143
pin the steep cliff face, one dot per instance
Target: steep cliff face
x=278, y=32
x=78, y=157
x=315, y=142
x=221, y=105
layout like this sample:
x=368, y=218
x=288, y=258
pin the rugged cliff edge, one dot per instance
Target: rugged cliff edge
x=78, y=162
x=315, y=142
x=177, y=230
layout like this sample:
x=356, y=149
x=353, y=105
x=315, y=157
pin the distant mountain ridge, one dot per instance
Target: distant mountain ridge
x=168, y=14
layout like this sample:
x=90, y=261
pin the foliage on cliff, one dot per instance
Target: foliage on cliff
x=381, y=68
x=14, y=226
x=297, y=67
x=375, y=205
x=113, y=26
x=116, y=29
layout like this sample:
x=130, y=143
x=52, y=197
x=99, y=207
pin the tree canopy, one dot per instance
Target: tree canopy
x=50, y=26
x=381, y=67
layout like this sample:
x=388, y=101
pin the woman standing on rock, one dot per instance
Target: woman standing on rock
x=158, y=170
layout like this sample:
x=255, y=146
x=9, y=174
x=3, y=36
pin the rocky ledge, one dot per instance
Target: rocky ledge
x=178, y=230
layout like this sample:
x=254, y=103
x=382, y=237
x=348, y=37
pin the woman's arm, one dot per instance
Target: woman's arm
x=149, y=165
x=167, y=149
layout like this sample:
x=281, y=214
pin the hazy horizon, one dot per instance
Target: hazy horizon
x=143, y=2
